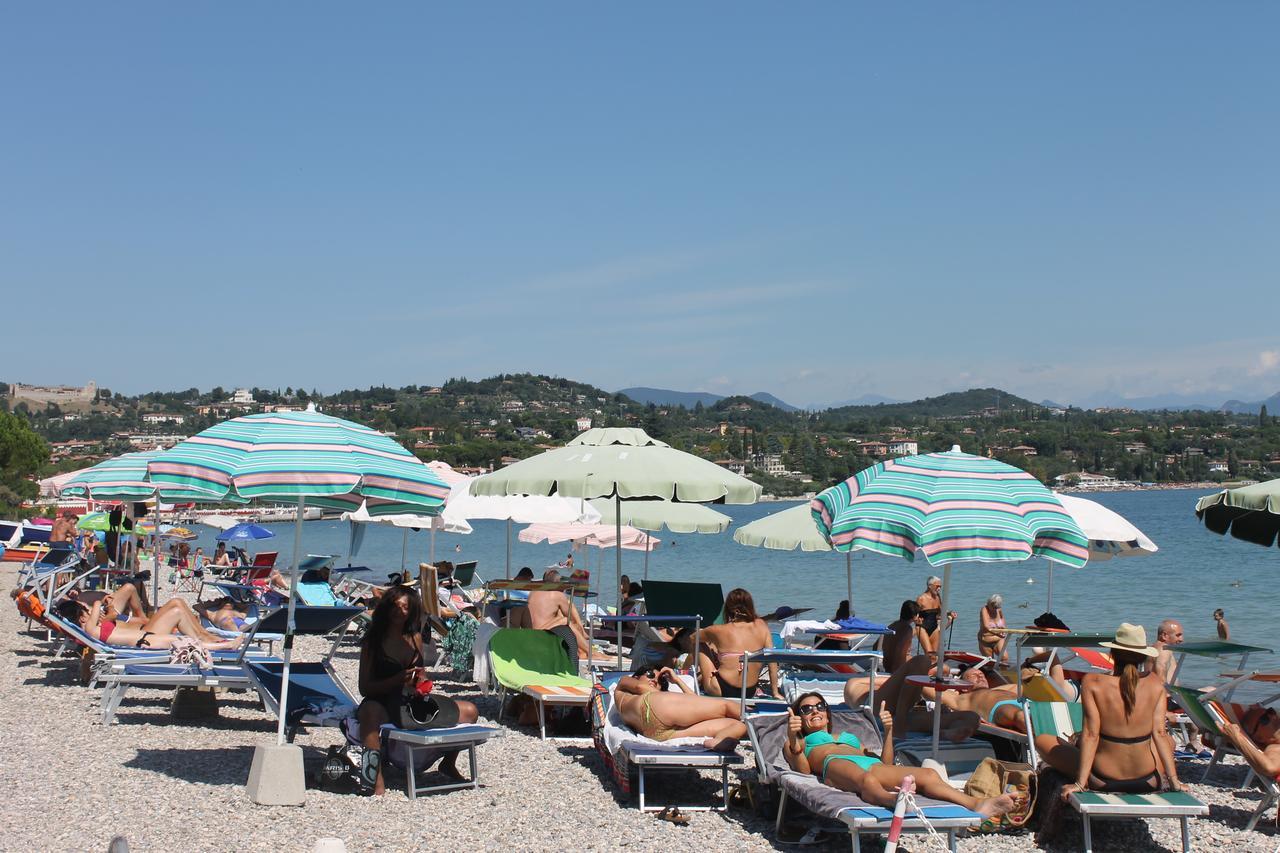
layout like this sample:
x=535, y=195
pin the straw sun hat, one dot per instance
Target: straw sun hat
x=1132, y=638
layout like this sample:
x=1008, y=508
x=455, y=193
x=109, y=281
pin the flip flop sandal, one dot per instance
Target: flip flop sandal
x=812, y=835
x=671, y=814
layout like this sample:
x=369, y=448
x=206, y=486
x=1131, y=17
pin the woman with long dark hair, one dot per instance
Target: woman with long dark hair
x=1122, y=748
x=391, y=665
x=720, y=661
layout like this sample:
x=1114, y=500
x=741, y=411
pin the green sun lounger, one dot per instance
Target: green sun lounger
x=535, y=664
x=1065, y=719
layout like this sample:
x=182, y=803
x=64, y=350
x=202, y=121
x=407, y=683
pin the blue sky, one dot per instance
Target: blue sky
x=819, y=201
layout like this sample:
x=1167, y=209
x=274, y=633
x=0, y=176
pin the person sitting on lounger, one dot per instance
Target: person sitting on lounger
x=840, y=761
x=720, y=660
x=125, y=602
x=655, y=712
x=225, y=613
x=1258, y=739
x=1118, y=749
x=158, y=632
x=391, y=663
x=551, y=610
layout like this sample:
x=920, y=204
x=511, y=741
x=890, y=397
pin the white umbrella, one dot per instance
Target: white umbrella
x=408, y=522
x=1110, y=533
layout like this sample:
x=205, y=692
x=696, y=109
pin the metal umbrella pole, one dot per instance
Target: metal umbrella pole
x=292, y=626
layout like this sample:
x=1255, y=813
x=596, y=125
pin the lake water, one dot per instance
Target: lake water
x=1190, y=576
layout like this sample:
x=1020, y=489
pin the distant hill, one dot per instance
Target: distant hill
x=864, y=400
x=689, y=399
x=1242, y=408
x=955, y=404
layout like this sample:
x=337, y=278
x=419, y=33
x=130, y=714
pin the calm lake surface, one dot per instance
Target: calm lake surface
x=1194, y=572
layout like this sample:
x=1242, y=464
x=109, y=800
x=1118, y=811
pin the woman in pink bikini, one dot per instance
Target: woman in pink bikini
x=158, y=632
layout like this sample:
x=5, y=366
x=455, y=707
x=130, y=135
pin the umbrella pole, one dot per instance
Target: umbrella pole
x=290, y=627
x=432, y=560
x=155, y=559
x=848, y=578
x=404, y=549
x=646, y=555
x=1049, y=607
x=617, y=527
x=942, y=657
x=508, y=549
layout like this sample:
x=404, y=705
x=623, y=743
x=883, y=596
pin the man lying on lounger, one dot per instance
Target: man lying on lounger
x=962, y=711
x=1258, y=739
x=648, y=707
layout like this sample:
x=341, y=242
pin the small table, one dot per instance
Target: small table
x=940, y=685
x=459, y=737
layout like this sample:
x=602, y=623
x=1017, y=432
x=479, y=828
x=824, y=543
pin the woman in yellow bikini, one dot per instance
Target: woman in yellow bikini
x=651, y=709
x=841, y=762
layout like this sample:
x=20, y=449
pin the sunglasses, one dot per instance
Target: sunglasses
x=812, y=708
x=647, y=673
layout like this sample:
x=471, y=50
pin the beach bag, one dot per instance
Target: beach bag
x=30, y=606
x=992, y=778
x=189, y=652
x=422, y=710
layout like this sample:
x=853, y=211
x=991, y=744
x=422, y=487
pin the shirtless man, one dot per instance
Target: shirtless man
x=1168, y=634
x=552, y=609
x=899, y=697
x=650, y=709
x=63, y=530
x=897, y=646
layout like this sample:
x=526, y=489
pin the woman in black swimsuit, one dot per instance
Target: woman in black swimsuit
x=390, y=664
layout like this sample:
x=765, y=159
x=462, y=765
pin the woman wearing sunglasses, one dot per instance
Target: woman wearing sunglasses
x=842, y=762
x=1258, y=739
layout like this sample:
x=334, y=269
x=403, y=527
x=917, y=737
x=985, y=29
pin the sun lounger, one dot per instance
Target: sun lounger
x=629, y=755
x=858, y=664
x=768, y=734
x=1064, y=719
x=318, y=697
x=1212, y=649
x=534, y=663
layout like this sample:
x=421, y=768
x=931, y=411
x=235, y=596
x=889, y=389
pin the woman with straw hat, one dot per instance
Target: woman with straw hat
x=1122, y=747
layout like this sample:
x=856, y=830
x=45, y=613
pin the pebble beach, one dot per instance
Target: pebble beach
x=73, y=784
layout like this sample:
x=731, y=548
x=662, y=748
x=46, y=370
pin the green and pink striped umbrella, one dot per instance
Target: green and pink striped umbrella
x=124, y=478
x=951, y=507
x=291, y=456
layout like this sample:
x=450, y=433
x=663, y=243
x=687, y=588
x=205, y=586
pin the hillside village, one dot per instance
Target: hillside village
x=479, y=425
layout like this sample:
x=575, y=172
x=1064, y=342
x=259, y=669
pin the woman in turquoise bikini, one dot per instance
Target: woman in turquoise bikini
x=841, y=762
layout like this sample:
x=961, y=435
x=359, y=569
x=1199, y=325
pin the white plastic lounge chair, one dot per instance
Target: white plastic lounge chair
x=768, y=733
x=629, y=755
x=1064, y=719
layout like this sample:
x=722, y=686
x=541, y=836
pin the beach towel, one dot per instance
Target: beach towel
x=856, y=625
x=617, y=734
x=523, y=657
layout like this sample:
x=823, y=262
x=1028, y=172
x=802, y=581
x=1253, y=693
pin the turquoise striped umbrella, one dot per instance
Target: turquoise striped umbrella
x=124, y=478
x=951, y=507
x=291, y=456
x=310, y=458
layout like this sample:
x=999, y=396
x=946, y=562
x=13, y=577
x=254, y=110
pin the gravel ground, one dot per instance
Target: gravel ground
x=179, y=786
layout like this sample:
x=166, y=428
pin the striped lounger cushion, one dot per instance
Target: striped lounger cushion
x=557, y=695
x=1167, y=804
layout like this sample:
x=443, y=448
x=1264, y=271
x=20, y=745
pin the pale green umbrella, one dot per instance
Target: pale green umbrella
x=788, y=530
x=1251, y=513
x=656, y=515
x=621, y=464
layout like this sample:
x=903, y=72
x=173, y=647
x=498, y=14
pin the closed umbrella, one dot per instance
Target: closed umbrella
x=307, y=457
x=949, y=507
x=619, y=463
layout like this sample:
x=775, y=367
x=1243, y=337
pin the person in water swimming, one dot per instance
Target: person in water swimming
x=841, y=761
x=648, y=707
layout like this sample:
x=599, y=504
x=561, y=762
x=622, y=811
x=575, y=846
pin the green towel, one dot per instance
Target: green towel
x=522, y=657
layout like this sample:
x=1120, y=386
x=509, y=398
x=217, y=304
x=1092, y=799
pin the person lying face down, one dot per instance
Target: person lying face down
x=841, y=761
x=648, y=707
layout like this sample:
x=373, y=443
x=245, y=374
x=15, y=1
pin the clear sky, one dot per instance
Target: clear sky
x=820, y=200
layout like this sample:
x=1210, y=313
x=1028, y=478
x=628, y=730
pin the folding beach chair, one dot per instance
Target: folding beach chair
x=629, y=755
x=768, y=734
x=534, y=663
x=1064, y=719
x=319, y=697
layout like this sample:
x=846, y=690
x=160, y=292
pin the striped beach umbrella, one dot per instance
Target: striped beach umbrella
x=124, y=478
x=307, y=458
x=302, y=456
x=951, y=508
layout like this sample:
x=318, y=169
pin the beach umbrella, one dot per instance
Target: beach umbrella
x=245, y=531
x=407, y=522
x=1251, y=513
x=788, y=530
x=125, y=478
x=303, y=457
x=655, y=515
x=950, y=508
x=1110, y=534
x=622, y=464
x=597, y=535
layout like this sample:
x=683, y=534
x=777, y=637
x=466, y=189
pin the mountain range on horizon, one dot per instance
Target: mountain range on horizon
x=1155, y=402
